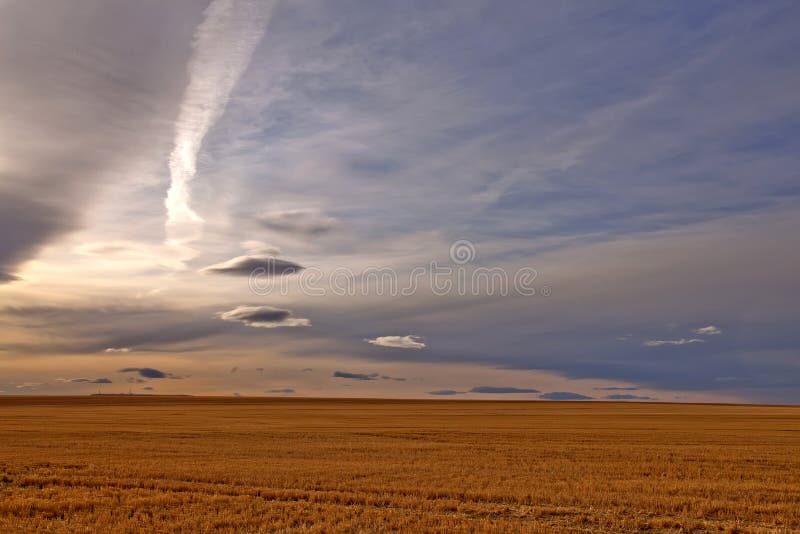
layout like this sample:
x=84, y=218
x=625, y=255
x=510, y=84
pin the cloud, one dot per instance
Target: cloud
x=563, y=395
x=117, y=349
x=254, y=265
x=223, y=44
x=398, y=342
x=660, y=342
x=7, y=277
x=234, y=369
x=501, y=389
x=306, y=370
x=627, y=397
x=281, y=390
x=616, y=388
x=149, y=372
x=445, y=392
x=30, y=385
x=395, y=378
x=88, y=380
x=263, y=317
x=355, y=376
x=148, y=388
x=254, y=247
x=298, y=221
x=709, y=330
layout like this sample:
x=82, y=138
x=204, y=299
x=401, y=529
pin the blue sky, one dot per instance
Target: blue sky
x=641, y=157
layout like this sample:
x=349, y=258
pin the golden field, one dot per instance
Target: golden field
x=193, y=464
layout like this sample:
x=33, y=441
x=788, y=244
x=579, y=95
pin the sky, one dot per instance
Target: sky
x=461, y=200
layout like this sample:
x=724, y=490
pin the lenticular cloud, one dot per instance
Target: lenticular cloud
x=223, y=44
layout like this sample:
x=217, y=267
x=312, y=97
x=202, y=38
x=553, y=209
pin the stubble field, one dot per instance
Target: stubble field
x=145, y=464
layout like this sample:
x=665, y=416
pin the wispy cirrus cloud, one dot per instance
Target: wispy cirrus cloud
x=298, y=221
x=223, y=44
x=662, y=342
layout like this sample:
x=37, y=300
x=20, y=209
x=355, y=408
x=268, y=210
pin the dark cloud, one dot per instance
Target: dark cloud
x=81, y=98
x=263, y=317
x=501, y=389
x=86, y=329
x=7, y=277
x=254, y=266
x=355, y=376
x=301, y=221
x=628, y=397
x=616, y=388
x=395, y=378
x=148, y=388
x=306, y=370
x=281, y=390
x=445, y=392
x=149, y=372
x=563, y=395
x=90, y=381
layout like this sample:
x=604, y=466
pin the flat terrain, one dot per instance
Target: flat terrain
x=143, y=464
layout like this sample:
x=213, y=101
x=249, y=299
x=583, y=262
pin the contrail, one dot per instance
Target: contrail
x=223, y=44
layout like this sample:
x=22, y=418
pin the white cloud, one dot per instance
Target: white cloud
x=709, y=330
x=660, y=342
x=223, y=45
x=112, y=350
x=398, y=342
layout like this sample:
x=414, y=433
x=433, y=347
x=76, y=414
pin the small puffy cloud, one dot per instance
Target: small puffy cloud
x=563, y=395
x=662, y=342
x=148, y=372
x=355, y=376
x=260, y=369
x=117, y=350
x=285, y=391
x=263, y=317
x=254, y=265
x=501, y=389
x=709, y=330
x=234, y=369
x=445, y=392
x=398, y=342
x=627, y=396
x=298, y=221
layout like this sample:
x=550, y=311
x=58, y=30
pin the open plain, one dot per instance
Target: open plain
x=144, y=464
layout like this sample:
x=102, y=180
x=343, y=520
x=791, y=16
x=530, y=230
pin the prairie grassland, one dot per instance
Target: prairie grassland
x=144, y=464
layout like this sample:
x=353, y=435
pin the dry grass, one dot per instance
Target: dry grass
x=268, y=465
